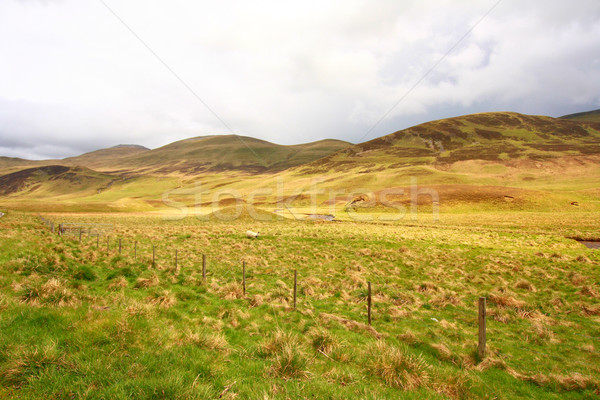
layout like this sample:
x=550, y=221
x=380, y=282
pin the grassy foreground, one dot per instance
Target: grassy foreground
x=76, y=322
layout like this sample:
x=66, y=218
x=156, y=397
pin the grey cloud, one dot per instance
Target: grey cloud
x=74, y=79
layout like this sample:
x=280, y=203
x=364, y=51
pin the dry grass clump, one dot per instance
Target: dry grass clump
x=351, y=324
x=4, y=301
x=163, y=299
x=323, y=341
x=396, y=366
x=408, y=337
x=571, y=382
x=589, y=291
x=118, y=283
x=340, y=377
x=445, y=298
x=523, y=284
x=455, y=386
x=26, y=363
x=231, y=290
x=53, y=292
x=443, y=352
x=289, y=361
x=426, y=287
x=139, y=308
x=152, y=281
x=506, y=299
x=274, y=343
x=587, y=309
x=212, y=341
x=577, y=279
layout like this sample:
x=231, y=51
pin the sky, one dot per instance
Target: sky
x=77, y=76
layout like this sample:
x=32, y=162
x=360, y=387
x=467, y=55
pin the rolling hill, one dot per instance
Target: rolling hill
x=53, y=180
x=500, y=137
x=588, y=116
x=100, y=159
x=498, y=160
x=226, y=153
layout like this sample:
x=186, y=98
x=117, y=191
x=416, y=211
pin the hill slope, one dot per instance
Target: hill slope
x=106, y=157
x=487, y=136
x=227, y=152
x=52, y=180
x=589, y=116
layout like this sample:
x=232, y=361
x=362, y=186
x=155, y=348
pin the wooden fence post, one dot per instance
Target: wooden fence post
x=295, y=286
x=52, y=227
x=482, y=333
x=80, y=232
x=98, y=240
x=203, y=266
x=369, y=302
x=120, y=246
x=244, y=277
x=60, y=228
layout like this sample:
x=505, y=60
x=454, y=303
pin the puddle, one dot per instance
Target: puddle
x=325, y=217
x=592, y=244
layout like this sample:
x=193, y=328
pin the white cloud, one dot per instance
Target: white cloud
x=74, y=79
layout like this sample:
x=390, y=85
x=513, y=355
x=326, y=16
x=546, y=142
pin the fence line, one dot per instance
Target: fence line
x=481, y=317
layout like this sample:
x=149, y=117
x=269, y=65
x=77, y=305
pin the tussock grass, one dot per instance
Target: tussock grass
x=323, y=341
x=396, y=366
x=124, y=328
x=26, y=363
x=52, y=293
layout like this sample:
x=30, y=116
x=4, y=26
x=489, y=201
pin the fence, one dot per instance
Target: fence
x=97, y=229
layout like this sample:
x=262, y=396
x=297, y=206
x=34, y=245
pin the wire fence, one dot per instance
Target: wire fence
x=472, y=318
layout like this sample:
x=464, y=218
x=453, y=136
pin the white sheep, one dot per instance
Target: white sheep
x=251, y=234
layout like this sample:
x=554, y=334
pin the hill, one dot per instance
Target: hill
x=589, y=116
x=486, y=161
x=226, y=153
x=52, y=180
x=106, y=157
x=499, y=137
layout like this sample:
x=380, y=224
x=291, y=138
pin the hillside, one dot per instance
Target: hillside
x=105, y=157
x=226, y=153
x=588, y=116
x=487, y=161
x=499, y=137
x=52, y=180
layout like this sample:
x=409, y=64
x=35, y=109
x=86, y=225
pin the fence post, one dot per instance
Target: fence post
x=482, y=338
x=203, y=266
x=120, y=246
x=80, y=232
x=52, y=227
x=60, y=228
x=295, y=286
x=369, y=302
x=107, y=244
x=244, y=277
x=98, y=240
x=135, y=251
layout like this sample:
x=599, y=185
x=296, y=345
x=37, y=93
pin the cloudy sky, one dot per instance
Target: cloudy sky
x=80, y=75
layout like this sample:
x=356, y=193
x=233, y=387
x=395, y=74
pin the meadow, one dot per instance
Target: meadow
x=80, y=320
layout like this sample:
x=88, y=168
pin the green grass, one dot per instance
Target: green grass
x=75, y=322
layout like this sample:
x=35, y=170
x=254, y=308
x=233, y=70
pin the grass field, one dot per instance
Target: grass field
x=76, y=322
